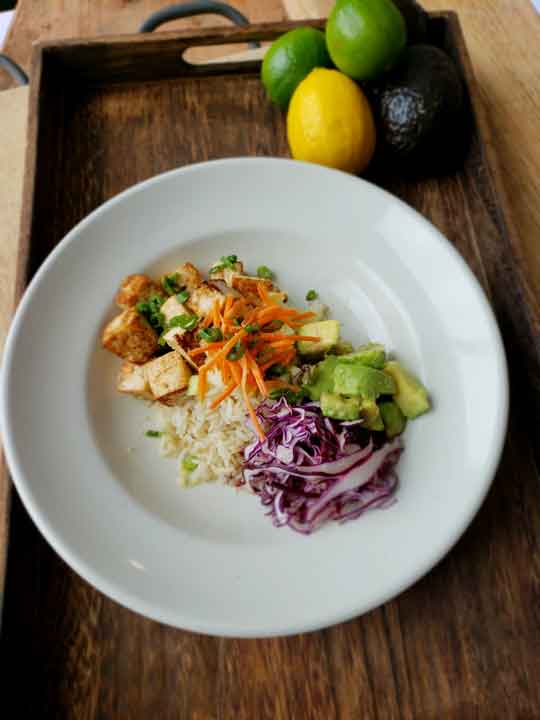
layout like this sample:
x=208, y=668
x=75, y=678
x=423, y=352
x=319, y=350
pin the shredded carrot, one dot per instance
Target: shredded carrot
x=207, y=320
x=202, y=384
x=253, y=416
x=278, y=384
x=224, y=350
x=215, y=313
x=257, y=374
x=205, y=348
x=263, y=293
x=228, y=390
x=234, y=370
x=277, y=358
x=238, y=305
x=229, y=300
x=290, y=338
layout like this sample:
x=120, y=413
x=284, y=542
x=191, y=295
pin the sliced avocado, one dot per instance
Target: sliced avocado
x=339, y=407
x=369, y=410
x=392, y=417
x=373, y=355
x=354, y=378
x=326, y=330
x=410, y=395
x=193, y=385
x=322, y=378
x=343, y=347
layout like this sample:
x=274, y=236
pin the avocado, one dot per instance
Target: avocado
x=326, y=330
x=343, y=347
x=410, y=395
x=369, y=410
x=416, y=20
x=392, y=417
x=422, y=119
x=356, y=379
x=339, y=407
x=373, y=355
x=322, y=378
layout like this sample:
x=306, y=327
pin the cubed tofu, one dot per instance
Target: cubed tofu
x=171, y=308
x=132, y=380
x=247, y=286
x=130, y=337
x=188, y=276
x=168, y=377
x=201, y=300
x=135, y=288
x=183, y=341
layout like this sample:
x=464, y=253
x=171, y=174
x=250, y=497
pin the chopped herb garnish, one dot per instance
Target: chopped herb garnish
x=276, y=370
x=237, y=352
x=153, y=433
x=311, y=295
x=182, y=296
x=150, y=309
x=292, y=397
x=253, y=328
x=212, y=334
x=265, y=273
x=238, y=321
x=186, y=322
x=226, y=261
x=170, y=284
x=162, y=341
x=190, y=463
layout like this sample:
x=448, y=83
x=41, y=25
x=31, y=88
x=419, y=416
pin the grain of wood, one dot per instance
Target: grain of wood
x=13, y=111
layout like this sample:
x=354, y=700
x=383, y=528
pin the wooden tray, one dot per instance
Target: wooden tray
x=464, y=641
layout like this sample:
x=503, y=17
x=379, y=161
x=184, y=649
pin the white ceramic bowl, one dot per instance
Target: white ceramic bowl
x=207, y=559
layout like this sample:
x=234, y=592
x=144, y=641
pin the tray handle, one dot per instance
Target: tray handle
x=189, y=9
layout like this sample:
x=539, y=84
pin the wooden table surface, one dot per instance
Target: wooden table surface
x=400, y=662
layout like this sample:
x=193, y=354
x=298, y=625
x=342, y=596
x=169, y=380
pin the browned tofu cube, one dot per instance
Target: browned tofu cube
x=171, y=308
x=135, y=288
x=247, y=286
x=132, y=380
x=129, y=336
x=188, y=276
x=201, y=300
x=168, y=377
x=183, y=341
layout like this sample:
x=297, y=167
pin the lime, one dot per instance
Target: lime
x=330, y=122
x=289, y=59
x=365, y=37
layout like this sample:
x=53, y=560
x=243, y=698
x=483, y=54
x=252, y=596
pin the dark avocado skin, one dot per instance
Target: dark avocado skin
x=416, y=20
x=420, y=109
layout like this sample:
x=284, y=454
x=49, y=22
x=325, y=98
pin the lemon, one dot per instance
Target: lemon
x=290, y=58
x=365, y=37
x=330, y=122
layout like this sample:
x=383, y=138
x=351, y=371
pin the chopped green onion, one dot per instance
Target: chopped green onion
x=151, y=311
x=293, y=398
x=238, y=321
x=252, y=328
x=190, y=463
x=182, y=296
x=265, y=273
x=311, y=295
x=170, y=284
x=276, y=370
x=237, y=352
x=186, y=322
x=153, y=433
x=162, y=341
x=212, y=334
x=226, y=261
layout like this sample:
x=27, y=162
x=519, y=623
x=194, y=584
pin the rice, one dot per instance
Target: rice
x=215, y=438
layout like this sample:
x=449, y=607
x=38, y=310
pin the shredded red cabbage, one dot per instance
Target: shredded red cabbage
x=310, y=470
